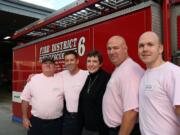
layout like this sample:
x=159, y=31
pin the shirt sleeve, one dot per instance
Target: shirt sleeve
x=26, y=93
x=172, y=86
x=130, y=88
x=176, y=88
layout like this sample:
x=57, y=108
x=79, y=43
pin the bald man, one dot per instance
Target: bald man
x=159, y=94
x=120, y=101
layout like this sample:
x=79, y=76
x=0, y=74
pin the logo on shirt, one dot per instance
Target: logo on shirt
x=148, y=87
x=55, y=89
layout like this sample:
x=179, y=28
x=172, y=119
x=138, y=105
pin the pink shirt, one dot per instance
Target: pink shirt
x=122, y=92
x=159, y=92
x=46, y=96
x=72, y=87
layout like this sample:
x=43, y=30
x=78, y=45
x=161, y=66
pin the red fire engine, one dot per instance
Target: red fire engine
x=87, y=24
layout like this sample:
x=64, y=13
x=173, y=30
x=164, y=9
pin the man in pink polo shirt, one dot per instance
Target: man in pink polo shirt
x=120, y=102
x=44, y=92
x=159, y=95
x=73, y=82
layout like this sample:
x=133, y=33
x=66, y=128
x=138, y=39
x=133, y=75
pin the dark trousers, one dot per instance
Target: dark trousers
x=71, y=124
x=45, y=127
x=88, y=132
x=135, y=131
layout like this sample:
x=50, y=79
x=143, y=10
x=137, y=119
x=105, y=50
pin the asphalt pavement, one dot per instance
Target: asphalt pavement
x=7, y=126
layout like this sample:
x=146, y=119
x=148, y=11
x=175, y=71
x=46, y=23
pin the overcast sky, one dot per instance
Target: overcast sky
x=53, y=4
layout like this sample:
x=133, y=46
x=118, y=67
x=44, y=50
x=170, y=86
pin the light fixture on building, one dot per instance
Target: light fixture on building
x=7, y=37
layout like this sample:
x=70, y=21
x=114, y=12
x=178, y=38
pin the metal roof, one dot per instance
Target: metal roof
x=76, y=13
x=16, y=14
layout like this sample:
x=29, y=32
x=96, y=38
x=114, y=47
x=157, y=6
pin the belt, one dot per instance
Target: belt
x=45, y=120
x=72, y=114
x=114, y=128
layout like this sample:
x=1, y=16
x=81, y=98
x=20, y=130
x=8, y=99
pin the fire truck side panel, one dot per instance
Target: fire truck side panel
x=175, y=33
x=129, y=26
x=56, y=47
x=23, y=65
x=178, y=32
x=177, y=56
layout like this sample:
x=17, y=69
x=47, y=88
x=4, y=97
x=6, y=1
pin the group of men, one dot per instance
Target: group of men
x=153, y=95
